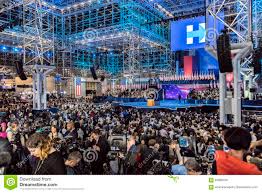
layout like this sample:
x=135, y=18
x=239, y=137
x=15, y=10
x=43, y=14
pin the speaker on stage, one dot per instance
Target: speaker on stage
x=93, y=72
x=257, y=60
x=20, y=70
x=253, y=90
x=224, y=53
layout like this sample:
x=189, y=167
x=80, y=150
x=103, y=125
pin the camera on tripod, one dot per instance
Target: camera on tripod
x=118, y=145
x=118, y=142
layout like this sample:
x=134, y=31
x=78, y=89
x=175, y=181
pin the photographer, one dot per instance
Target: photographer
x=238, y=141
x=49, y=161
x=102, y=147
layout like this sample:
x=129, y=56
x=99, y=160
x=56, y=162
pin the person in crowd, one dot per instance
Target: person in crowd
x=179, y=98
x=12, y=131
x=148, y=155
x=232, y=162
x=71, y=131
x=73, y=163
x=255, y=144
x=131, y=159
x=192, y=167
x=49, y=161
x=101, y=146
x=3, y=133
x=54, y=134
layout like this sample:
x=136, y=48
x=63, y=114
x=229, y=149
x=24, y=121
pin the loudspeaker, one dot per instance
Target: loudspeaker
x=253, y=89
x=224, y=53
x=93, y=72
x=102, y=78
x=20, y=70
x=257, y=61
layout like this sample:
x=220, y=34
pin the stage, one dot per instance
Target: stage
x=183, y=104
x=166, y=104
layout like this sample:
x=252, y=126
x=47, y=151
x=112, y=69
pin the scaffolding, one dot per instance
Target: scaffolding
x=116, y=36
x=257, y=21
x=183, y=8
x=120, y=36
x=236, y=16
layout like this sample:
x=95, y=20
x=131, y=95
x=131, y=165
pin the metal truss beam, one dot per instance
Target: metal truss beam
x=236, y=16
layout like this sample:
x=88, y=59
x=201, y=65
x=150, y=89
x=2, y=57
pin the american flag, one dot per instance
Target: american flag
x=78, y=86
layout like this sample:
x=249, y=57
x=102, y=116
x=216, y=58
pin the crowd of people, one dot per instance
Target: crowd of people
x=207, y=94
x=128, y=93
x=82, y=137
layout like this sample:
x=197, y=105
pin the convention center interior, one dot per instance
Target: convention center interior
x=130, y=87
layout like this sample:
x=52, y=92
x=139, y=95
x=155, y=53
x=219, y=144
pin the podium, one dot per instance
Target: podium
x=150, y=102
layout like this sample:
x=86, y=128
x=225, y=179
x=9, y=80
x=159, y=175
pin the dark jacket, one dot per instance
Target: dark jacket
x=131, y=161
x=148, y=155
x=52, y=165
x=97, y=165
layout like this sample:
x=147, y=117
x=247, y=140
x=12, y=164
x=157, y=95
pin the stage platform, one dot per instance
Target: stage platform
x=175, y=105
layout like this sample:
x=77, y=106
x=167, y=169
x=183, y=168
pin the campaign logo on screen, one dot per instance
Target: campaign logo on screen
x=200, y=33
x=193, y=33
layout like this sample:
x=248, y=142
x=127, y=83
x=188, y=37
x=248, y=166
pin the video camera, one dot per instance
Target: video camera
x=118, y=145
x=118, y=142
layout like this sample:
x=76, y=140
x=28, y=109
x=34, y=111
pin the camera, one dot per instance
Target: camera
x=118, y=142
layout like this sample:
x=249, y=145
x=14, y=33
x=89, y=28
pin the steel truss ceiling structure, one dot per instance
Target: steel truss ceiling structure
x=119, y=35
x=257, y=21
x=234, y=14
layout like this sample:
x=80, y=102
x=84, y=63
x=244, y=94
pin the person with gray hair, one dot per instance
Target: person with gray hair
x=193, y=167
x=72, y=163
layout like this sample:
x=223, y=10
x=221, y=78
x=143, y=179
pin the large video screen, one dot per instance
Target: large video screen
x=192, y=33
x=173, y=91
